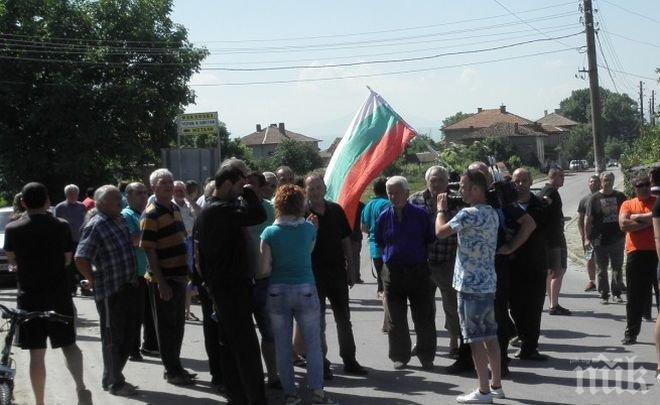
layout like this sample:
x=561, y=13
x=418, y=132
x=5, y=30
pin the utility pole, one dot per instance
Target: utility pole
x=641, y=103
x=594, y=90
x=652, y=108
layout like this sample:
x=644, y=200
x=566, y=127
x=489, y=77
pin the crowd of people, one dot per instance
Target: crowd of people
x=257, y=248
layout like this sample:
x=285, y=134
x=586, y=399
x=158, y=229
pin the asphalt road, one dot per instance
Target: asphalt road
x=587, y=365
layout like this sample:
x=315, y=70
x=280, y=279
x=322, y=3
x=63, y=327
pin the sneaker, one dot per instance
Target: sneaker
x=399, y=365
x=85, y=397
x=604, y=300
x=125, y=390
x=497, y=392
x=353, y=367
x=618, y=299
x=559, y=310
x=292, y=399
x=475, y=397
x=320, y=397
x=591, y=286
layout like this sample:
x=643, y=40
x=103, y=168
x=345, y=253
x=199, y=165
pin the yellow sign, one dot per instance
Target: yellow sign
x=197, y=123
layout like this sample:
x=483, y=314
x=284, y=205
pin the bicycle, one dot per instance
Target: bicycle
x=17, y=317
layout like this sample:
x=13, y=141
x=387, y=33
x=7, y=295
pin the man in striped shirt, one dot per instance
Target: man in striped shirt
x=163, y=240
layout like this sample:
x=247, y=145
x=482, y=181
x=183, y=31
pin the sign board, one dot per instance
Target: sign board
x=197, y=123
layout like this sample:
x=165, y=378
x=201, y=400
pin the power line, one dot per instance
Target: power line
x=633, y=40
x=392, y=41
x=609, y=44
x=323, y=79
x=526, y=22
x=609, y=71
x=42, y=49
x=630, y=74
x=411, y=28
x=399, y=60
x=632, y=12
x=384, y=61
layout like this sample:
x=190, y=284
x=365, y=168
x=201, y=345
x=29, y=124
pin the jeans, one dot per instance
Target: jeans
x=337, y=293
x=299, y=301
x=118, y=318
x=403, y=284
x=240, y=356
x=610, y=254
x=640, y=275
x=171, y=323
x=442, y=275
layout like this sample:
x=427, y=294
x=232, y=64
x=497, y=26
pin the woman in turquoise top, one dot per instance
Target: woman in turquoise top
x=286, y=249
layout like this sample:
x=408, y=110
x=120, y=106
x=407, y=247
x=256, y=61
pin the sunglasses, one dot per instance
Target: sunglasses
x=645, y=184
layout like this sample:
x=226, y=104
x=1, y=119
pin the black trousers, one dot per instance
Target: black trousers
x=171, y=323
x=505, y=327
x=149, y=338
x=640, y=277
x=337, y=293
x=240, y=356
x=403, y=284
x=528, y=282
x=118, y=317
x=142, y=302
x=211, y=334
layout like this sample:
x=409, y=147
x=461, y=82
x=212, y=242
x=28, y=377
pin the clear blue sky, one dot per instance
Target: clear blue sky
x=258, y=34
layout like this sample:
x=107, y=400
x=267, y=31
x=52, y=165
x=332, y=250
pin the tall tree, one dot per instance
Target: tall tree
x=90, y=89
x=452, y=119
x=619, y=112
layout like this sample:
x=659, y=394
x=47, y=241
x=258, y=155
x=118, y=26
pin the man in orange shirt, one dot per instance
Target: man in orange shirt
x=635, y=219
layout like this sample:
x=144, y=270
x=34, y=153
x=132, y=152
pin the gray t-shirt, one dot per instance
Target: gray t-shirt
x=74, y=214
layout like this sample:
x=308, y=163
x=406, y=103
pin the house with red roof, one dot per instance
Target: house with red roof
x=264, y=141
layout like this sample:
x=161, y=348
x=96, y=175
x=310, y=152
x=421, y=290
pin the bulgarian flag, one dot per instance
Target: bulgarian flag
x=376, y=137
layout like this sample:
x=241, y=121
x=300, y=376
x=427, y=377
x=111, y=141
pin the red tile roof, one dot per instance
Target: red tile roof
x=273, y=135
x=486, y=118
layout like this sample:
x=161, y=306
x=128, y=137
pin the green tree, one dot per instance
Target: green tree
x=93, y=90
x=302, y=157
x=614, y=148
x=452, y=119
x=620, y=117
x=578, y=144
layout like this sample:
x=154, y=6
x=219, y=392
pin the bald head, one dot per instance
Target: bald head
x=522, y=179
x=483, y=168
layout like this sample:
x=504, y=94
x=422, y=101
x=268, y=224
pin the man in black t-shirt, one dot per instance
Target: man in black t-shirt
x=594, y=186
x=605, y=236
x=556, y=242
x=41, y=247
x=529, y=271
x=331, y=259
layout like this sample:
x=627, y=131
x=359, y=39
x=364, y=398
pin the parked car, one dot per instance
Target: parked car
x=575, y=165
x=5, y=275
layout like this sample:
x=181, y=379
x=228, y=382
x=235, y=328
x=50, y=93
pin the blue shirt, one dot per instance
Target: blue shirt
x=370, y=214
x=404, y=242
x=106, y=243
x=291, y=252
x=474, y=270
x=132, y=219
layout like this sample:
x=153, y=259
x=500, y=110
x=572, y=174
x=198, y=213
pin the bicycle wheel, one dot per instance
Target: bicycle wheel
x=5, y=394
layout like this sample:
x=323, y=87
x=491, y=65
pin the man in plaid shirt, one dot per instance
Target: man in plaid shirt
x=105, y=243
x=442, y=252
